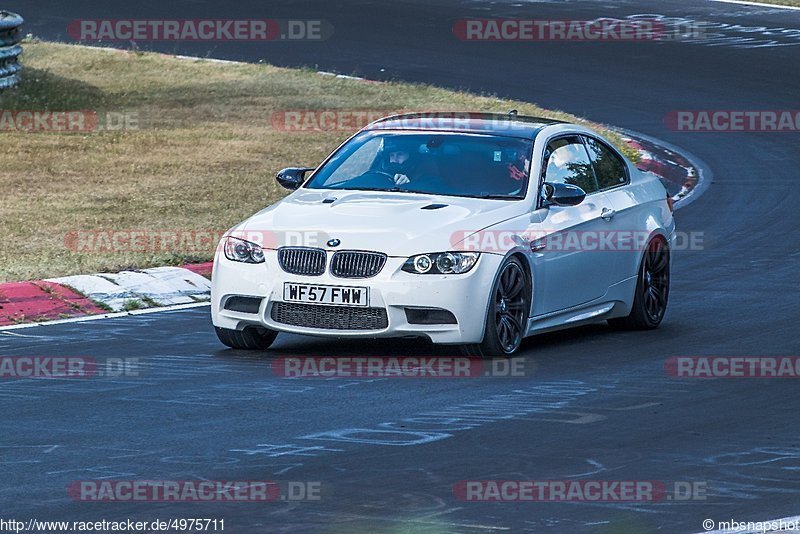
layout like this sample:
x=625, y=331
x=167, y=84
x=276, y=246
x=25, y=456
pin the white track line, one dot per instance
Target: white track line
x=757, y=4
x=105, y=316
x=206, y=59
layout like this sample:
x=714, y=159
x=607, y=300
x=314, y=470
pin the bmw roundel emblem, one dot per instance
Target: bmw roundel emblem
x=333, y=242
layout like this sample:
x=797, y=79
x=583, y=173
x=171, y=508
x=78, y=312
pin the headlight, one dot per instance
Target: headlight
x=244, y=251
x=441, y=263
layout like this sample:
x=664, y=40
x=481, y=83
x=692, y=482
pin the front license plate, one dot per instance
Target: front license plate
x=341, y=296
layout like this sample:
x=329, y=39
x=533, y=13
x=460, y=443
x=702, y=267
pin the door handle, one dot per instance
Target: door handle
x=607, y=214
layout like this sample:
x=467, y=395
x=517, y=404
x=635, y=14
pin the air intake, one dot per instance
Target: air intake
x=243, y=304
x=329, y=317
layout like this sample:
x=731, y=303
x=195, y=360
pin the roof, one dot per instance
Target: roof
x=466, y=121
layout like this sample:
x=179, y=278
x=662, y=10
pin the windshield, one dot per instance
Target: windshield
x=469, y=165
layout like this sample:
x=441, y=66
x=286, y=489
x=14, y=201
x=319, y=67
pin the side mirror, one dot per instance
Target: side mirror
x=562, y=194
x=292, y=177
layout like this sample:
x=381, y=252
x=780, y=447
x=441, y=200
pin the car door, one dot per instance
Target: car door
x=613, y=177
x=569, y=268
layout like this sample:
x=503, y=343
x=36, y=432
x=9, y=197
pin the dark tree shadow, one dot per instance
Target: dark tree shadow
x=41, y=90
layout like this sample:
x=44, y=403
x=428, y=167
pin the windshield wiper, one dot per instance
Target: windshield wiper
x=384, y=190
x=500, y=197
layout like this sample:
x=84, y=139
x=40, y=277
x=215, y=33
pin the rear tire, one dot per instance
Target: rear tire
x=506, y=316
x=251, y=338
x=652, y=290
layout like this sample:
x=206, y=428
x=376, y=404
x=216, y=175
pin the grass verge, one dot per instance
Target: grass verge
x=197, y=151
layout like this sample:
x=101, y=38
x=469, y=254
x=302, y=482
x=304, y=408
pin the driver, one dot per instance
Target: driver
x=519, y=166
x=398, y=162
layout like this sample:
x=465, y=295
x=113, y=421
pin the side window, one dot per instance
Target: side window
x=609, y=168
x=566, y=161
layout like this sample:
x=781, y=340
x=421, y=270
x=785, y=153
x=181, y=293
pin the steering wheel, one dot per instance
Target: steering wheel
x=374, y=172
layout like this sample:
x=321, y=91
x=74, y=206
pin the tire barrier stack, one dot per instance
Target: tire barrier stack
x=10, y=37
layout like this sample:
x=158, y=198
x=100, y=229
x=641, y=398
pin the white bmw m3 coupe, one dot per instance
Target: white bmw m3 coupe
x=468, y=229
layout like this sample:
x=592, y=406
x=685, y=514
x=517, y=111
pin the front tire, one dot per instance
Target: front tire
x=652, y=290
x=251, y=338
x=507, y=316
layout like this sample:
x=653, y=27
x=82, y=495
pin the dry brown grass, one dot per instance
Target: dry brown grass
x=203, y=156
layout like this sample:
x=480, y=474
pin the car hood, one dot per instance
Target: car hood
x=398, y=224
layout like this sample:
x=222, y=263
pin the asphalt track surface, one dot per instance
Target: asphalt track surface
x=597, y=404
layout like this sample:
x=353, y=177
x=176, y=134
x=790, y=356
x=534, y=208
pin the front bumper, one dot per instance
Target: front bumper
x=464, y=295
